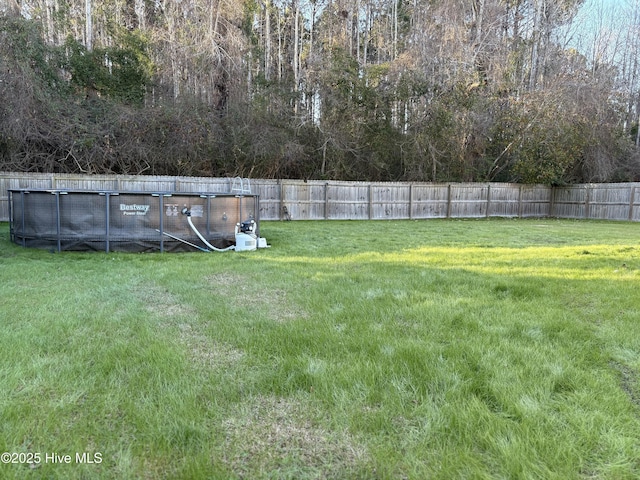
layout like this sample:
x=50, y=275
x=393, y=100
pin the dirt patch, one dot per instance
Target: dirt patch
x=274, y=438
x=248, y=293
x=162, y=303
x=172, y=313
x=628, y=381
x=204, y=351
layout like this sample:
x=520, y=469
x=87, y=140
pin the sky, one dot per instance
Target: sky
x=602, y=27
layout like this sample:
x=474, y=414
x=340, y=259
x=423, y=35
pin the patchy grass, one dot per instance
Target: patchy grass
x=280, y=437
x=251, y=293
x=414, y=349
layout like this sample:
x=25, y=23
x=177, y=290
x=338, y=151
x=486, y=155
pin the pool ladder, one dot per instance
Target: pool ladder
x=241, y=186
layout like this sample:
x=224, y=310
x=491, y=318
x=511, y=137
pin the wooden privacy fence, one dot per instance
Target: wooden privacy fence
x=322, y=200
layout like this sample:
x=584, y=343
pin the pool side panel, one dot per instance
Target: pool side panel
x=125, y=221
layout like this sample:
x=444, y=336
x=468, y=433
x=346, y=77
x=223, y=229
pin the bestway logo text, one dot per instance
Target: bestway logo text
x=134, y=209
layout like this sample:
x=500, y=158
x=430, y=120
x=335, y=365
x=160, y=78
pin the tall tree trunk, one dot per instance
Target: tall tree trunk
x=478, y=14
x=296, y=55
x=88, y=24
x=536, y=43
x=141, y=12
x=267, y=40
x=280, y=48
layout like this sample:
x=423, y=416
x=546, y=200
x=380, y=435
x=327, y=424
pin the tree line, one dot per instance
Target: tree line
x=378, y=90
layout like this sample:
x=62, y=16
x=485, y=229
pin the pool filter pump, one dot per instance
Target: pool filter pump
x=246, y=238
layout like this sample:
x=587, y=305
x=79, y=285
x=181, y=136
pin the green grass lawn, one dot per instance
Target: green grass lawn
x=409, y=349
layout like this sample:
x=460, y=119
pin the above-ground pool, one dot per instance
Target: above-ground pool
x=132, y=221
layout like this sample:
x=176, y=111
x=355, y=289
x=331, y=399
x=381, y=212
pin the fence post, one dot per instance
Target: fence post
x=449, y=201
x=370, y=202
x=281, y=182
x=411, y=201
x=632, y=201
x=488, y=199
x=519, y=201
x=587, y=200
x=326, y=200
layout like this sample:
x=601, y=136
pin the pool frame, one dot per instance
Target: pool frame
x=127, y=221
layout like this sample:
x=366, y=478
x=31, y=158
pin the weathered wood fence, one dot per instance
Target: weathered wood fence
x=322, y=200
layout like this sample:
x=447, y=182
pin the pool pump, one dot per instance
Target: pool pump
x=246, y=239
x=245, y=235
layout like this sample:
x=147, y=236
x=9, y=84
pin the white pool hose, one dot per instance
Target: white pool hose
x=232, y=247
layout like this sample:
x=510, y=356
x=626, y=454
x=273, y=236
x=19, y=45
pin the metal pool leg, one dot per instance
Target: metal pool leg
x=58, y=221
